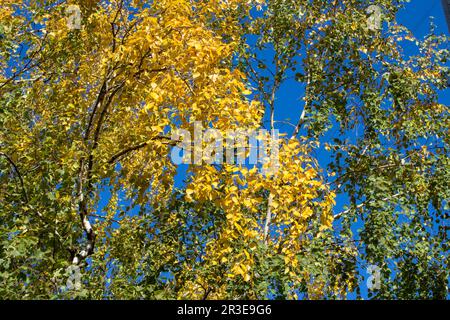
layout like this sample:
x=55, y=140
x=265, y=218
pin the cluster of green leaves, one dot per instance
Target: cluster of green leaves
x=390, y=149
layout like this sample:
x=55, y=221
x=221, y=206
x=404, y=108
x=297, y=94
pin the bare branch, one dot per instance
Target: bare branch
x=359, y=206
x=140, y=146
x=16, y=169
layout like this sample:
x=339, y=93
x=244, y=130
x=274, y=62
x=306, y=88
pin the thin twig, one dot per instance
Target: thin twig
x=338, y=215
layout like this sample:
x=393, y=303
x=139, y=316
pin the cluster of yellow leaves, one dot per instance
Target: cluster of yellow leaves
x=162, y=68
x=293, y=189
x=6, y=10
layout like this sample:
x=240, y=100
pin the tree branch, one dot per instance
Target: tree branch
x=140, y=146
x=340, y=214
x=16, y=169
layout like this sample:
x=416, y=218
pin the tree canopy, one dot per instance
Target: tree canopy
x=89, y=109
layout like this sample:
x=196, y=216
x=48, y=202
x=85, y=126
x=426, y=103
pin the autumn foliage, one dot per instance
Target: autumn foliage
x=87, y=179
